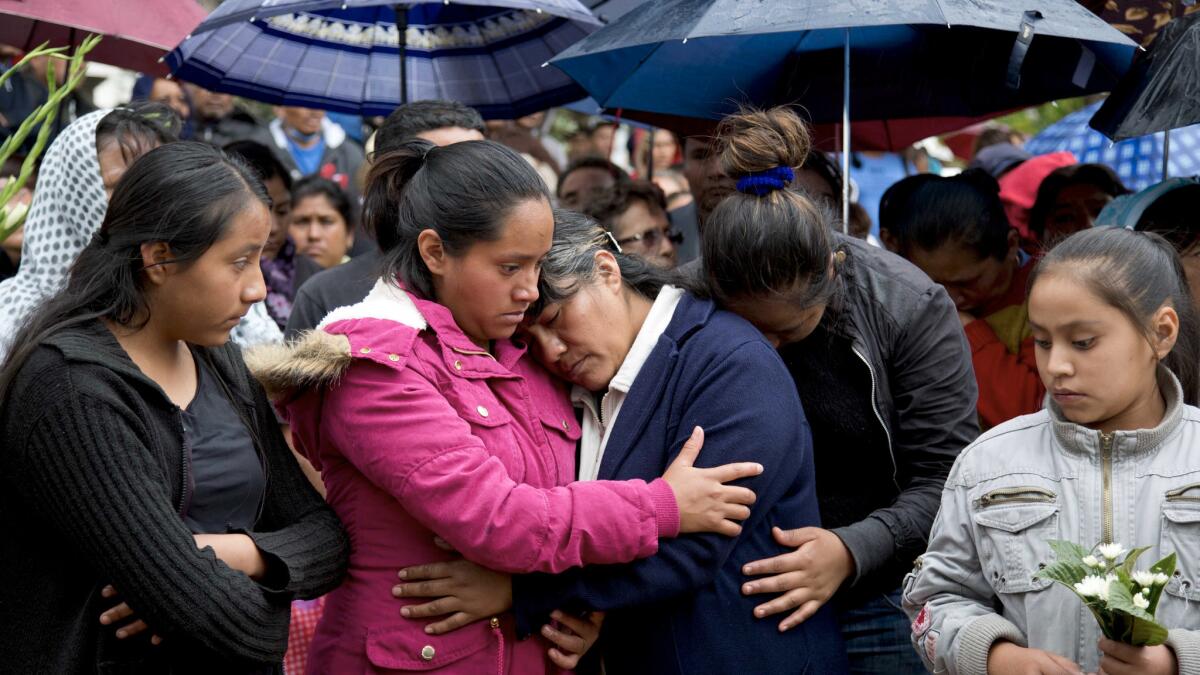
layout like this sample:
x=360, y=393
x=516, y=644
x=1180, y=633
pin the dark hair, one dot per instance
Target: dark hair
x=183, y=194
x=571, y=263
x=1174, y=217
x=463, y=192
x=410, y=119
x=607, y=208
x=1137, y=273
x=820, y=164
x=260, y=158
x=992, y=135
x=137, y=128
x=315, y=186
x=592, y=162
x=1097, y=175
x=775, y=244
x=963, y=209
x=894, y=203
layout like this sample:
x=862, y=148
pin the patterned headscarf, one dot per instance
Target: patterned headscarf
x=68, y=206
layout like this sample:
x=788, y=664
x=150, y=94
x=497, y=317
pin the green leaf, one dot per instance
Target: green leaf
x=1120, y=597
x=1067, y=551
x=1131, y=559
x=1165, y=566
x=1065, y=573
x=1147, y=633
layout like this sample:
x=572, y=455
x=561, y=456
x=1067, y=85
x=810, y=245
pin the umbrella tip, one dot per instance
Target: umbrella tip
x=546, y=63
x=685, y=41
x=161, y=58
x=539, y=10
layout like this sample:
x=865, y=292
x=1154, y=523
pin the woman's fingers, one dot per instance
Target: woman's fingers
x=785, y=602
x=575, y=624
x=564, y=661
x=131, y=630
x=800, y=615
x=736, y=512
x=728, y=528
x=453, y=622
x=439, y=607
x=567, y=642
x=108, y=592
x=691, y=448
x=727, y=473
x=438, y=570
x=780, y=583
x=118, y=613
x=424, y=589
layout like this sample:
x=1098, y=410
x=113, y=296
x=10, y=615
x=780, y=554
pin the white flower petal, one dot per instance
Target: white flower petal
x=1111, y=551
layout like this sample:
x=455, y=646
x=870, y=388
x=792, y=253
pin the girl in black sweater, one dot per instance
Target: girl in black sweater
x=155, y=520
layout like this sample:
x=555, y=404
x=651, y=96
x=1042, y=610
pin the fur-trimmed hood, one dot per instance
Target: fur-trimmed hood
x=320, y=357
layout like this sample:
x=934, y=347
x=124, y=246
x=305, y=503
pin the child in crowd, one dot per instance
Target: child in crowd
x=1107, y=461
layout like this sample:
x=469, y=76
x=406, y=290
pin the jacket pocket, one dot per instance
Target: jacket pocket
x=1015, y=525
x=471, y=649
x=1181, y=536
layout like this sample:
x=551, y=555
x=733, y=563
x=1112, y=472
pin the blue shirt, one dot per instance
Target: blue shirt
x=308, y=160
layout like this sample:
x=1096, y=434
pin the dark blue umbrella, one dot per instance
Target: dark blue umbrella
x=911, y=59
x=346, y=55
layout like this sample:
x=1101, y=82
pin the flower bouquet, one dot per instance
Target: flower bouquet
x=1122, y=599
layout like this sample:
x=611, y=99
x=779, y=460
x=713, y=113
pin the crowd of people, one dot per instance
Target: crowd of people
x=465, y=399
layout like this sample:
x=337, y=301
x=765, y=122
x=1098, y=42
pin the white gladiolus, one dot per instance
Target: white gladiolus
x=1111, y=551
x=12, y=213
x=1093, y=586
x=1091, y=561
x=1141, y=601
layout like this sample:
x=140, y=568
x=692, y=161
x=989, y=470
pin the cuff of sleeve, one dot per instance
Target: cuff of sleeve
x=527, y=612
x=1186, y=645
x=976, y=638
x=979, y=333
x=871, y=544
x=278, y=581
x=666, y=510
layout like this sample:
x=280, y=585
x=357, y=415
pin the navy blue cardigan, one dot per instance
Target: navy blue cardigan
x=682, y=610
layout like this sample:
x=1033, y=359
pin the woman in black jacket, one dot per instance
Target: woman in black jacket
x=883, y=371
x=156, y=521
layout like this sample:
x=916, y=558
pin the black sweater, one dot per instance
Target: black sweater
x=93, y=479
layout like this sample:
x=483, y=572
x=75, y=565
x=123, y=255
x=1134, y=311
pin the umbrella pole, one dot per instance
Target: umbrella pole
x=846, y=135
x=650, y=155
x=402, y=42
x=1166, y=152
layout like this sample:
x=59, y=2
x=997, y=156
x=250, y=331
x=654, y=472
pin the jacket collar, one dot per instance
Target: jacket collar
x=1078, y=438
x=395, y=303
x=93, y=343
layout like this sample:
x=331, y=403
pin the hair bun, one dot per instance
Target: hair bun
x=755, y=141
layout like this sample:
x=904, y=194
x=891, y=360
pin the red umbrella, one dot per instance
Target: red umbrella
x=136, y=32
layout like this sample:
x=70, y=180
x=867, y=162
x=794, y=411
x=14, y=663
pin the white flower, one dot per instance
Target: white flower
x=12, y=214
x=1093, y=586
x=1148, y=579
x=1141, y=601
x=1111, y=551
x=1091, y=561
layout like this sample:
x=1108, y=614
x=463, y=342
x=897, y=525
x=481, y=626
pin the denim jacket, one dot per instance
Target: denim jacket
x=1037, y=478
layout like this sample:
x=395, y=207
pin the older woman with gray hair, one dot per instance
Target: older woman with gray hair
x=650, y=362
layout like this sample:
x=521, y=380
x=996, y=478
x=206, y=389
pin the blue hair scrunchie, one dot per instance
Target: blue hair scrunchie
x=765, y=182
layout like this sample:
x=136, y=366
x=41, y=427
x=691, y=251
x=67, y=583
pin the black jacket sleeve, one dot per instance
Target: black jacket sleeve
x=933, y=397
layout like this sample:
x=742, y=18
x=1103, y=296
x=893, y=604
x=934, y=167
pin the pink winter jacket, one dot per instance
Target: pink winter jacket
x=419, y=433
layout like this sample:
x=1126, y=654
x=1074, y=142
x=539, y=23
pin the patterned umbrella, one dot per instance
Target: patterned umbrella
x=346, y=55
x=1138, y=161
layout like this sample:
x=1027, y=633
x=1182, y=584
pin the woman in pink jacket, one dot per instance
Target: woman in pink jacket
x=428, y=421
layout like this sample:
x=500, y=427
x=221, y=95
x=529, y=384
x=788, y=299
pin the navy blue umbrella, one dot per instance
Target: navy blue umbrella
x=911, y=58
x=366, y=56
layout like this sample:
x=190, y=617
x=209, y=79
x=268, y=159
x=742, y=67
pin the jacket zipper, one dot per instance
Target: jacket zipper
x=1027, y=495
x=185, y=471
x=1180, y=494
x=886, y=431
x=1106, y=531
x=495, y=624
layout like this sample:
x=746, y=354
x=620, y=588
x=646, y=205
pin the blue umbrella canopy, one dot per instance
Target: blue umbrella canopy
x=345, y=56
x=911, y=59
x=1137, y=161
